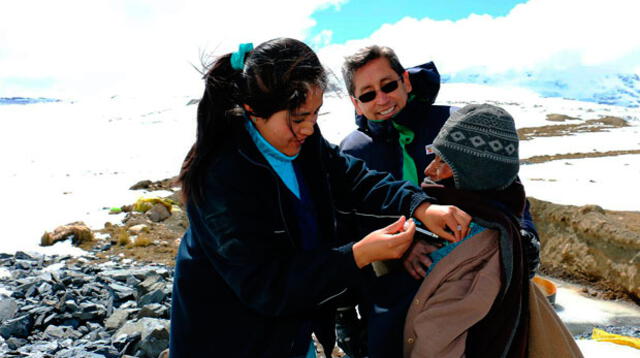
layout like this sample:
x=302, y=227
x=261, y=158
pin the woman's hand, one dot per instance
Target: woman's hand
x=387, y=243
x=417, y=260
x=437, y=218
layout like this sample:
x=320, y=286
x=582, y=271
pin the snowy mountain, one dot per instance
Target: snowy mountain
x=26, y=100
x=578, y=83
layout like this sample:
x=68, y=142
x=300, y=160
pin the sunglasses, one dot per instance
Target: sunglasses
x=386, y=88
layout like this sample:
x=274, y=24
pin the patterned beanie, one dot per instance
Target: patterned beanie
x=480, y=144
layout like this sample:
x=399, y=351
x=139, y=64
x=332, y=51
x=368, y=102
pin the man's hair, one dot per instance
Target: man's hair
x=362, y=57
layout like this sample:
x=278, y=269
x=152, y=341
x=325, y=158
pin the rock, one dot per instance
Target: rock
x=154, y=335
x=142, y=184
x=15, y=343
x=77, y=353
x=78, y=232
x=137, y=229
x=158, y=212
x=116, y=320
x=62, y=332
x=8, y=309
x=155, y=296
x=18, y=327
x=152, y=282
x=90, y=311
x=122, y=292
x=154, y=310
x=20, y=255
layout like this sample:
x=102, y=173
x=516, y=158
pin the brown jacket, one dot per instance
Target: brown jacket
x=457, y=294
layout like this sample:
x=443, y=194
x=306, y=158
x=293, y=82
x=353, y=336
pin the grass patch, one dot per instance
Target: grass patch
x=559, y=130
x=547, y=158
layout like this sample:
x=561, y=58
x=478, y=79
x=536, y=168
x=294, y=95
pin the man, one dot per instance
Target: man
x=397, y=122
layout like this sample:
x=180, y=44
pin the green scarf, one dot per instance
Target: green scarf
x=405, y=137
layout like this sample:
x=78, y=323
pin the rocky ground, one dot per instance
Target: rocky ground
x=77, y=307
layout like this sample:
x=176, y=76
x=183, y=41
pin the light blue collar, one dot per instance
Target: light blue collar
x=280, y=162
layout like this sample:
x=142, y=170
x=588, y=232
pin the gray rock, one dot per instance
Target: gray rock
x=71, y=306
x=122, y=292
x=90, y=311
x=8, y=309
x=154, y=335
x=77, y=353
x=158, y=213
x=44, y=347
x=117, y=319
x=154, y=310
x=123, y=274
x=62, y=332
x=21, y=255
x=15, y=343
x=155, y=296
x=23, y=265
x=17, y=327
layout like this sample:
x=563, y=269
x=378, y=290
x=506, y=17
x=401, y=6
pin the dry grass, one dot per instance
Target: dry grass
x=558, y=130
x=547, y=158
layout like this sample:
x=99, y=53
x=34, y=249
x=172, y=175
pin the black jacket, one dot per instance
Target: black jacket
x=243, y=286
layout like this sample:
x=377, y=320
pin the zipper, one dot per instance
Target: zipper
x=274, y=176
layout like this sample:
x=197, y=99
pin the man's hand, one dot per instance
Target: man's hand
x=387, y=243
x=439, y=218
x=417, y=260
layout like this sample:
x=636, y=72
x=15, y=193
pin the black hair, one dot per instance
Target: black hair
x=277, y=75
x=362, y=57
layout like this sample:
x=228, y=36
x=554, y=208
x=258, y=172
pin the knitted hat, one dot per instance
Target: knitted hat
x=480, y=144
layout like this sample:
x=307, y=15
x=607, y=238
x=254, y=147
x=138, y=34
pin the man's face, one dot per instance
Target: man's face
x=373, y=77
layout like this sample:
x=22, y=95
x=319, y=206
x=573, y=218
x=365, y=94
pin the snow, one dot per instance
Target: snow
x=594, y=349
x=65, y=162
x=72, y=161
x=611, y=182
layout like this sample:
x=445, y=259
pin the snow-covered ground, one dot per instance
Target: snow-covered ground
x=64, y=162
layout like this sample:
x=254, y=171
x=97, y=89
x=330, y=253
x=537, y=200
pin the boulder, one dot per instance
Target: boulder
x=8, y=309
x=158, y=213
x=154, y=335
x=117, y=319
x=18, y=327
x=78, y=232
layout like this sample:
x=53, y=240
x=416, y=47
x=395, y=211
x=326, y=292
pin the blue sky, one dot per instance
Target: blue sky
x=358, y=19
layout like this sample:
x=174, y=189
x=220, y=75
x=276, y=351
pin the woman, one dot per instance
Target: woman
x=260, y=264
x=474, y=301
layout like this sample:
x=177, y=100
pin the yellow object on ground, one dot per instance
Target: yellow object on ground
x=144, y=204
x=604, y=336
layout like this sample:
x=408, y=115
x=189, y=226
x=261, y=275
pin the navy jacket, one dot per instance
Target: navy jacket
x=243, y=285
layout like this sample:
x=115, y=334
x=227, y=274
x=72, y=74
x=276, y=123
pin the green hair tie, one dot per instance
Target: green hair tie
x=237, y=58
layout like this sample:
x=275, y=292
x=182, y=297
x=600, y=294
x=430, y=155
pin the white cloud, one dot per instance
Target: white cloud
x=104, y=47
x=538, y=34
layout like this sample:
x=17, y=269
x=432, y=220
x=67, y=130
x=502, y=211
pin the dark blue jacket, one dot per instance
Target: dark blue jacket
x=243, y=285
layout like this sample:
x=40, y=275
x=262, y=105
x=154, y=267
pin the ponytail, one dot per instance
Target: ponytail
x=220, y=100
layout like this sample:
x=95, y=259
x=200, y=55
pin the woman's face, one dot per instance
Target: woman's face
x=438, y=170
x=286, y=131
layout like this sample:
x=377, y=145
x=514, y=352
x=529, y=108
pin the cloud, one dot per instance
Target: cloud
x=106, y=47
x=538, y=34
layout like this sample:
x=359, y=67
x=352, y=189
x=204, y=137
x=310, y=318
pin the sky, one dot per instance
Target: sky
x=73, y=48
